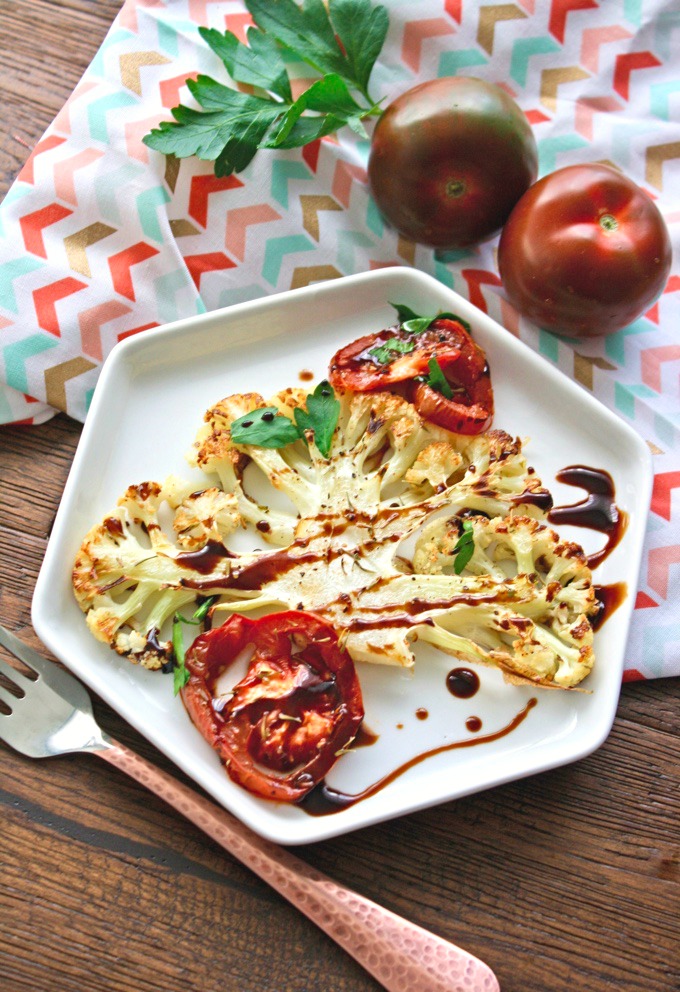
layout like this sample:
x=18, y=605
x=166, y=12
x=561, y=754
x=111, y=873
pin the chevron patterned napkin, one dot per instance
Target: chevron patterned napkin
x=101, y=238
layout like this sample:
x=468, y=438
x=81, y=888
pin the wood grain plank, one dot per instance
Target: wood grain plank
x=46, y=45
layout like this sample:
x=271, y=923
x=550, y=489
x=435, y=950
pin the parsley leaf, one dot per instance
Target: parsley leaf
x=437, y=380
x=464, y=548
x=259, y=63
x=345, y=39
x=180, y=672
x=361, y=31
x=415, y=323
x=403, y=312
x=321, y=416
x=383, y=354
x=342, y=43
x=266, y=428
x=331, y=98
x=201, y=612
x=228, y=131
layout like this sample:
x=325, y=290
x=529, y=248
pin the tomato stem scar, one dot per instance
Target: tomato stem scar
x=455, y=187
x=608, y=222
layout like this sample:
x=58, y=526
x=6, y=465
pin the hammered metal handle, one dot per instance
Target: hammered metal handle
x=400, y=955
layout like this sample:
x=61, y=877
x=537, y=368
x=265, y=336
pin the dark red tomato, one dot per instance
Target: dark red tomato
x=449, y=159
x=371, y=363
x=297, y=706
x=585, y=251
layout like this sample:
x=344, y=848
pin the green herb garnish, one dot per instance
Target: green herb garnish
x=416, y=323
x=437, y=380
x=341, y=44
x=384, y=353
x=180, y=671
x=464, y=548
x=321, y=416
x=413, y=324
x=267, y=428
x=201, y=612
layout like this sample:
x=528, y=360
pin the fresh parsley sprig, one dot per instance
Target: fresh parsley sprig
x=180, y=671
x=464, y=548
x=415, y=324
x=320, y=417
x=384, y=353
x=267, y=428
x=341, y=43
x=437, y=380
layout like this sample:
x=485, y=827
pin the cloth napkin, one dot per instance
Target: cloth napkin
x=101, y=238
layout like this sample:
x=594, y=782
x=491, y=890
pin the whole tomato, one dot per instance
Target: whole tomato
x=584, y=252
x=449, y=159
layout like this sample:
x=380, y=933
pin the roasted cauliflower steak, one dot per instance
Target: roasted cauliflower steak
x=364, y=538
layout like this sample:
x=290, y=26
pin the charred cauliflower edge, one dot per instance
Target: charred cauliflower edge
x=521, y=604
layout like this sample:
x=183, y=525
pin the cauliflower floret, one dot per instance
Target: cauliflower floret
x=543, y=633
x=435, y=464
x=522, y=602
x=208, y=515
x=130, y=578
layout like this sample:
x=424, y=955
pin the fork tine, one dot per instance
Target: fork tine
x=50, y=674
x=27, y=655
x=18, y=678
x=10, y=701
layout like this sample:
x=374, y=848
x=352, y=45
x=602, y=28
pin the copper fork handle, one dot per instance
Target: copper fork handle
x=400, y=955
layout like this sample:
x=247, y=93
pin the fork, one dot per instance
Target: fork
x=53, y=716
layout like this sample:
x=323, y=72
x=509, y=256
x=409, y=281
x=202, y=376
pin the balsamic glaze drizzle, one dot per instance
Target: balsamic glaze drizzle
x=598, y=511
x=323, y=800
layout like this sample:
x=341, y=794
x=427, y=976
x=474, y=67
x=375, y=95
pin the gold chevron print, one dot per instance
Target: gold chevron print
x=583, y=369
x=57, y=377
x=654, y=162
x=131, y=64
x=304, y=275
x=311, y=205
x=172, y=164
x=183, y=228
x=406, y=250
x=76, y=245
x=552, y=79
x=489, y=17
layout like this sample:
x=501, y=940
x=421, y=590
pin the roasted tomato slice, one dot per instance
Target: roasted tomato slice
x=280, y=729
x=394, y=355
x=398, y=358
x=469, y=408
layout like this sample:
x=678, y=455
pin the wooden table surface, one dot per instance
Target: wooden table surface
x=563, y=882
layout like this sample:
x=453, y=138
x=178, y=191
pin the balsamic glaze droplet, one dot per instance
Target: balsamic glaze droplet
x=462, y=682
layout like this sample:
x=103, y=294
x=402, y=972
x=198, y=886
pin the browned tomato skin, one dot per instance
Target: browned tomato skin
x=461, y=360
x=584, y=252
x=317, y=681
x=449, y=159
x=354, y=368
x=473, y=415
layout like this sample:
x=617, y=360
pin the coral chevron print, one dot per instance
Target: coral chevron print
x=102, y=238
